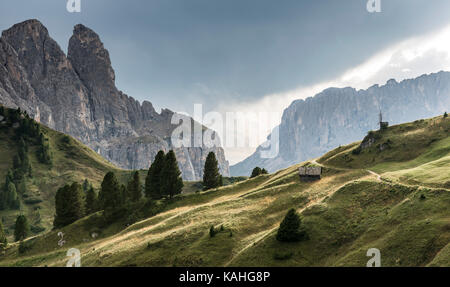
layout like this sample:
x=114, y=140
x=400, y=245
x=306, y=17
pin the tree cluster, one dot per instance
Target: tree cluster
x=74, y=201
x=26, y=132
x=258, y=171
x=163, y=177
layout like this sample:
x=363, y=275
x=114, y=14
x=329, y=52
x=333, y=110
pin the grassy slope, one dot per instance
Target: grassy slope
x=72, y=161
x=404, y=213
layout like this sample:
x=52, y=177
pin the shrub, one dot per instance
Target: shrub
x=212, y=231
x=282, y=255
x=66, y=139
x=24, y=246
x=33, y=200
x=356, y=151
x=37, y=229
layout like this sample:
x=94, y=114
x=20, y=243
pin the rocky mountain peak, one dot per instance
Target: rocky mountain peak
x=339, y=116
x=30, y=27
x=90, y=59
x=76, y=95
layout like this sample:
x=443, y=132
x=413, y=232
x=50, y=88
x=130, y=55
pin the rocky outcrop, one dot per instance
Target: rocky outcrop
x=311, y=127
x=76, y=94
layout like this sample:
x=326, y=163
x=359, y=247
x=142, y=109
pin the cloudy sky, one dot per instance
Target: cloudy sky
x=251, y=55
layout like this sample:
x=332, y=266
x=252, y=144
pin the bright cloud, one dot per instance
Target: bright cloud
x=407, y=59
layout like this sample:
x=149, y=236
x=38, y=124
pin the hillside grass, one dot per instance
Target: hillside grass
x=403, y=211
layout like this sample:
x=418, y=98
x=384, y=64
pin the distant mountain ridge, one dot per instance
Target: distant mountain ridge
x=338, y=116
x=76, y=94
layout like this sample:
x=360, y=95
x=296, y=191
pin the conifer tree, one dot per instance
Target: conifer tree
x=91, y=201
x=11, y=197
x=3, y=239
x=22, y=228
x=290, y=228
x=24, y=161
x=153, y=179
x=9, y=178
x=17, y=167
x=3, y=199
x=264, y=171
x=43, y=151
x=211, y=175
x=111, y=196
x=134, y=190
x=172, y=183
x=86, y=185
x=5, y=190
x=69, y=205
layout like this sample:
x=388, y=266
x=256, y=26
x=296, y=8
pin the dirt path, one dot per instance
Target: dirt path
x=268, y=232
x=376, y=174
x=125, y=235
x=314, y=161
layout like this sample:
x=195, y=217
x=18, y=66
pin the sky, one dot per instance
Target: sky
x=250, y=55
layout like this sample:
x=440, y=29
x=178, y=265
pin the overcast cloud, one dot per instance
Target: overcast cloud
x=251, y=55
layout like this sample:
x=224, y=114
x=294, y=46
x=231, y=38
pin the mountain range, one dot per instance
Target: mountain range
x=339, y=116
x=76, y=94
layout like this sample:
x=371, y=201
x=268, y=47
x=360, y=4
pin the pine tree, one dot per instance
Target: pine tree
x=43, y=152
x=220, y=180
x=123, y=194
x=264, y=171
x=25, y=165
x=134, y=190
x=91, y=201
x=8, y=178
x=22, y=228
x=69, y=205
x=211, y=175
x=256, y=171
x=5, y=190
x=11, y=197
x=153, y=179
x=17, y=167
x=445, y=115
x=172, y=183
x=3, y=240
x=290, y=228
x=3, y=199
x=111, y=196
x=86, y=185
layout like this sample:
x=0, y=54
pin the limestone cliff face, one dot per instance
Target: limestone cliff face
x=311, y=127
x=76, y=94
